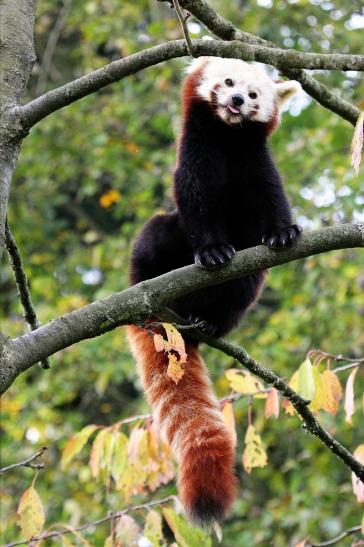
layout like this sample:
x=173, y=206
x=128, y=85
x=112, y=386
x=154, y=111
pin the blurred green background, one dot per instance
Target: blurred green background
x=91, y=174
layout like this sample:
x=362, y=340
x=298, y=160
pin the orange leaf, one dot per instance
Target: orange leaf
x=333, y=391
x=272, y=404
x=349, y=397
x=229, y=419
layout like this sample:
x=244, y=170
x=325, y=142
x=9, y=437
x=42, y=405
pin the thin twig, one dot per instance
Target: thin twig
x=341, y=536
x=322, y=355
x=347, y=367
x=182, y=19
x=134, y=418
x=301, y=405
x=27, y=462
x=114, y=516
x=22, y=284
x=50, y=48
x=336, y=358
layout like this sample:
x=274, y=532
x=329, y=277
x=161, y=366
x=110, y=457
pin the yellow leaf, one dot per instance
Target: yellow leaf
x=358, y=485
x=245, y=383
x=362, y=525
x=254, y=454
x=174, y=346
x=159, y=466
x=153, y=529
x=319, y=398
x=332, y=390
x=229, y=419
x=30, y=512
x=110, y=197
x=306, y=385
x=119, y=456
x=75, y=444
x=175, y=369
x=349, y=397
x=97, y=452
x=133, y=480
x=272, y=404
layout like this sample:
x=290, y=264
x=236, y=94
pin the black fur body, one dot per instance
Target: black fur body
x=229, y=197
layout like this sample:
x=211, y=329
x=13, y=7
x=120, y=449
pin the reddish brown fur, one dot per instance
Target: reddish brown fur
x=190, y=420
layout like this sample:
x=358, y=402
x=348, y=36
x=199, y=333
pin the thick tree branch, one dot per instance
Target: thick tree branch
x=312, y=425
x=227, y=31
x=146, y=299
x=22, y=285
x=44, y=105
x=16, y=61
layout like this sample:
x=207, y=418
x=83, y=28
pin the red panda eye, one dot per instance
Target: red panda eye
x=229, y=82
x=253, y=95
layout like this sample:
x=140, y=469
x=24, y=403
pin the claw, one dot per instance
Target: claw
x=284, y=238
x=214, y=255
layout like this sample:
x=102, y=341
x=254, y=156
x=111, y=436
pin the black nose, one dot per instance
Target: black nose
x=237, y=99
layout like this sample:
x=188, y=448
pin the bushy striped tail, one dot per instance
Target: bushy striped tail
x=189, y=418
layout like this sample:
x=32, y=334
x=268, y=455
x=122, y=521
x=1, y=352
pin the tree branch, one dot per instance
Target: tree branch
x=16, y=61
x=22, y=284
x=110, y=517
x=144, y=300
x=336, y=539
x=27, y=462
x=227, y=31
x=312, y=425
x=39, y=108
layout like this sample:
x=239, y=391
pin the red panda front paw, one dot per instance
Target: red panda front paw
x=213, y=255
x=206, y=327
x=284, y=238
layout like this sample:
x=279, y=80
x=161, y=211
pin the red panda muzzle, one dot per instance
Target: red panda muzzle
x=190, y=420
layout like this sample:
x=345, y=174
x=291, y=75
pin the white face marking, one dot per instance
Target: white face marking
x=240, y=91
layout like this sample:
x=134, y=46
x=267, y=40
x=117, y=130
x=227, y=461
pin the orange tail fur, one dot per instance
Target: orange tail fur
x=189, y=418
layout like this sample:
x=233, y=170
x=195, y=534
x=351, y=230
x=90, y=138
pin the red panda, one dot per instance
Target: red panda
x=228, y=196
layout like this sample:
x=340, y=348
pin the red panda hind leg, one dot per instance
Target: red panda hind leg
x=189, y=418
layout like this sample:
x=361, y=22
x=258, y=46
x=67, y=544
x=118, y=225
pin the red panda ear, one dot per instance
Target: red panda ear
x=198, y=64
x=286, y=90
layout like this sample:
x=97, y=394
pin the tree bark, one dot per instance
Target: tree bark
x=17, y=57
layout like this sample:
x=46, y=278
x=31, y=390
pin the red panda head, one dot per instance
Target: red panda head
x=238, y=91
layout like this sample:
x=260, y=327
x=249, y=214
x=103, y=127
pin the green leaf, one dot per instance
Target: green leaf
x=185, y=534
x=306, y=383
x=153, y=529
